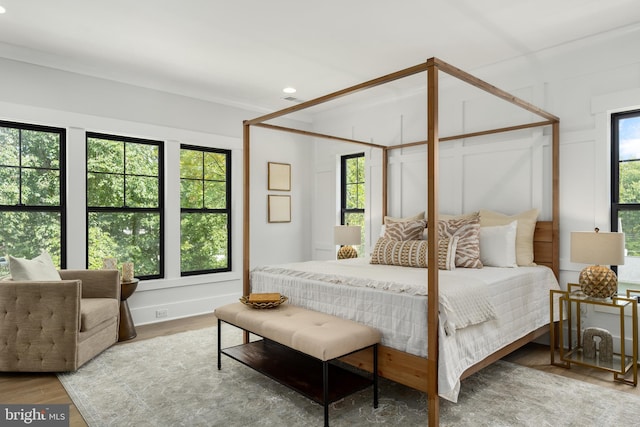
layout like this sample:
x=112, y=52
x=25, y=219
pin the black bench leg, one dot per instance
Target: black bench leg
x=375, y=376
x=219, y=344
x=325, y=391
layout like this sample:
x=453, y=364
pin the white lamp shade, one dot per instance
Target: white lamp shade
x=600, y=248
x=346, y=235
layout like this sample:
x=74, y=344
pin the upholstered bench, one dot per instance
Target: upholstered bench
x=300, y=347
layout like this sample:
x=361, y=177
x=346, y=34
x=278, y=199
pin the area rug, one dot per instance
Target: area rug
x=174, y=381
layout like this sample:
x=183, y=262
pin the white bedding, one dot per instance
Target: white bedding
x=482, y=310
x=462, y=303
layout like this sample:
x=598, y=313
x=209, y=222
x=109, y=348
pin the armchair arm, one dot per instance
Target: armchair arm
x=39, y=324
x=96, y=283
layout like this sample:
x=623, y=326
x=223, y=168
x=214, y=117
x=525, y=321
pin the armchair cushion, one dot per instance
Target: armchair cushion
x=94, y=311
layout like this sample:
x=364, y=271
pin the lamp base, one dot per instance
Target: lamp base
x=347, y=252
x=598, y=281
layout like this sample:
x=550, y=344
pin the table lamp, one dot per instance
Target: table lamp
x=602, y=250
x=345, y=236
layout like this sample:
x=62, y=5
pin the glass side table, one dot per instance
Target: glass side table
x=570, y=322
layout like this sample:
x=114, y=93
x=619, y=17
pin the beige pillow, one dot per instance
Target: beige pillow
x=468, y=232
x=409, y=230
x=447, y=217
x=39, y=268
x=524, y=233
x=413, y=253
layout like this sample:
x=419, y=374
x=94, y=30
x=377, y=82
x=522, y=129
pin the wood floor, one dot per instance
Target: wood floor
x=46, y=389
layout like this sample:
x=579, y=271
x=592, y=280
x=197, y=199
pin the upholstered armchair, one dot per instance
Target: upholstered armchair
x=56, y=326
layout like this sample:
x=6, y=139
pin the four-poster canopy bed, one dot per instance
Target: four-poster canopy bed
x=415, y=370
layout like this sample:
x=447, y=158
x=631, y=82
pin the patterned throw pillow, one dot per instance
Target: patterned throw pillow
x=408, y=230
x=468, y=232
x=413, y=253
x=416, y=217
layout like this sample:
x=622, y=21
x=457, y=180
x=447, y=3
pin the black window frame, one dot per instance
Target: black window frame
x=615, y=168
x=126, y=209
x=344, y=210
x=616, y=205
x=343, y=187
x=226, y=210
x=62, y=206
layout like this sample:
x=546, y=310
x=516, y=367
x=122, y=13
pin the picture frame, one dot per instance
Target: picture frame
x=278, y=208
x=279, y=176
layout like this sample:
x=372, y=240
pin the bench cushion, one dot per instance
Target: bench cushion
x=320, y=335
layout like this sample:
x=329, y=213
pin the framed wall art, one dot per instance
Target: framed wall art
x=279, y=208
x=279, y=176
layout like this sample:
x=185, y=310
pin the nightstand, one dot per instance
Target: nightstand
x=580, y=352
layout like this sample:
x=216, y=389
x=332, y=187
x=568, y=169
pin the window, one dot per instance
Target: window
x=353, y=193
x=125, y=203
x=205, y=210
x=625, y=191
x=32, y=192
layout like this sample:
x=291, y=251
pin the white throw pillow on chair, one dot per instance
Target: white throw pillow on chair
x=39, y=268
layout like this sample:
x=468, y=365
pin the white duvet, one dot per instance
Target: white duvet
x=481, y=310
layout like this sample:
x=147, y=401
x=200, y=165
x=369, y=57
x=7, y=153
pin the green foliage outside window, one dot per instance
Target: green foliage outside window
x=628, y=150
x=124, y=202
x=205, y=213
x=630, y=193
x=630, y=182
x=355, y=183
x=31, y=208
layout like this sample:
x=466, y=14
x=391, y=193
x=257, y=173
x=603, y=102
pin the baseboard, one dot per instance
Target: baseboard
x=179, y=309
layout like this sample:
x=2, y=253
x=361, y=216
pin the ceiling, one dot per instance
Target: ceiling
x=244, y=52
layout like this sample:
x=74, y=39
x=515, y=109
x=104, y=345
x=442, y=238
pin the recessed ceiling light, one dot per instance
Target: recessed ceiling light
x=2, y=9
x=289, y=90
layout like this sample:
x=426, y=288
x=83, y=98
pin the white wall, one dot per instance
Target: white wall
x=40, y=95
x=276, y=243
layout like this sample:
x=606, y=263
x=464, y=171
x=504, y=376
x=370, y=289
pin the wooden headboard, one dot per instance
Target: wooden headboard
x=545, y=247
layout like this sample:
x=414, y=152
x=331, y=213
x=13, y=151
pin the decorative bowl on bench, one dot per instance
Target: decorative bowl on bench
x=263, y=304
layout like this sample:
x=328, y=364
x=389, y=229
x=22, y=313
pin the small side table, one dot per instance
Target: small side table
x=127, y=329
x=571, y=300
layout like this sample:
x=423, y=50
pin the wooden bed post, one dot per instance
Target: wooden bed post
x=555, y=215
x=385, y=163
x=246, y=206
x=246, y=200
x=433, y=400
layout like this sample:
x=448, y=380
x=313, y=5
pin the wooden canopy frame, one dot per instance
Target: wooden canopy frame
x=546, y=246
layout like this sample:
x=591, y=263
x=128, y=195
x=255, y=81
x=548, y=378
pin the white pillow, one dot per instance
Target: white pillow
x=524, y=234
x=498, y=245
x=39, y=268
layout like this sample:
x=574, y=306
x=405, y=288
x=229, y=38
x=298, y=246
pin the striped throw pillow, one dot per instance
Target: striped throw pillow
x=413, y=253
x=408, y=230
x=468, y=232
